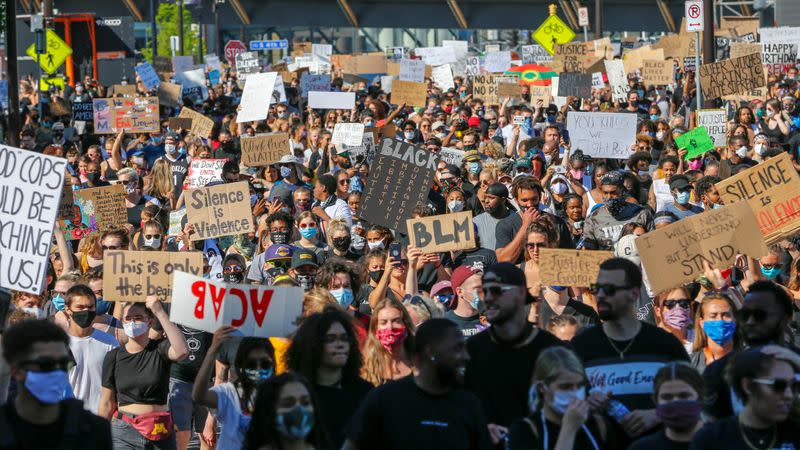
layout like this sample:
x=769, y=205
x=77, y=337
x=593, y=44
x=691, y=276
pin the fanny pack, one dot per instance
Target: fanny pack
x=155, y=426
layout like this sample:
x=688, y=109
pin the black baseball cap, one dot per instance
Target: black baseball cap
x=304, y=257
x=508, y=274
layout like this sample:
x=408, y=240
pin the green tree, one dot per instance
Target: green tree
x=167, y=25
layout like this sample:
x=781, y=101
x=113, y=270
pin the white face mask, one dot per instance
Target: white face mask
x=760, y=149
x=135, y=329
x=456, y=206
x=558, y=188
x=408, y=135
x=660, y=135
x=562, y=399
x=170, y=148
x=35, y=311
x=741, y=152
x=770, y=113
x=376, y=245
x=153, y=243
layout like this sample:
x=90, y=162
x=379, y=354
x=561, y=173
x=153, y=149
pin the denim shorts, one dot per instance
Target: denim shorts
x=125, y=437
x=184, y=410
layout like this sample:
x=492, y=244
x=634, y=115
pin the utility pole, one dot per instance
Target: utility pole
x=218, y=34
x=709, y=52
x=180, y=27
x=598, y=19
x=153, y=29
x=13, y=83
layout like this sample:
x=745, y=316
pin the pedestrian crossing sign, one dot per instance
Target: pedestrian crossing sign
x=57, y=53
x=553, y=31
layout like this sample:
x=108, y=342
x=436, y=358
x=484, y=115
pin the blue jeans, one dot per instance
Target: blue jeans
x=125, y=437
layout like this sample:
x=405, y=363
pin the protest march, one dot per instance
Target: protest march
x=566, y=244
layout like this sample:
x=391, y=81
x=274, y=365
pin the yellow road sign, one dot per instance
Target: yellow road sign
x=46, y=82
x=553, y=31
x=57, y=52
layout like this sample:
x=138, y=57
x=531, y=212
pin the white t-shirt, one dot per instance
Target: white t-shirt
x=233, y=424
x=86, y=377
x=340, y=211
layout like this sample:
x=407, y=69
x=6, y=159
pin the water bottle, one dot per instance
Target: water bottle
x=617, y=410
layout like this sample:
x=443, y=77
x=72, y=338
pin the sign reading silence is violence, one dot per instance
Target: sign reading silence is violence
x=220, y=210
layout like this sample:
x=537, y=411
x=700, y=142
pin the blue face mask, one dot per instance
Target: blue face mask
x=558, y=288
x=474, y=168
x=719, y=331
x=308, y=233
x=58, y=302
x=654, y=117
x=771, y=273
x=344, y=296
x=476, y=302
x=295, y=423
x=258, y=375
x=683, y=197
x=49, y=387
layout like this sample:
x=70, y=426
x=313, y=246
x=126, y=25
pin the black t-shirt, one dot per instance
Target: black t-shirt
x=509, y=227
x=658, y=441
x=499, y=373
x=337, y=404
x=227, y=355
x=400, y=415
x=469, y=326
x=135, y=213
x=521, y=437
x=481, y=257
x=585, y=315
x=198, y=343
x=141, y=377
x=727, y=433
x=630, y=378
x=90, y=432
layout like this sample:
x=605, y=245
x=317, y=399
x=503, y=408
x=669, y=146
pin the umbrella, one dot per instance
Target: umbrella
x=533, y=74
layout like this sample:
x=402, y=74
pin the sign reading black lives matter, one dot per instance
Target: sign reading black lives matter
x=399, y=181
x=30, y=189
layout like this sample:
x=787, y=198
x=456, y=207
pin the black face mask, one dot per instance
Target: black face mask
x=341, y=243
x=375, y=275
x=92, y=176
x=83, y=319
x=616, y=206
x=279, y=237
x=305, y=281
x=233, y=277
x=345, y=164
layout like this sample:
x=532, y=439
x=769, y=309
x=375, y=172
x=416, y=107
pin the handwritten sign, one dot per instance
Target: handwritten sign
x=617, y=80
x=148, y=75
x=732, y=76
x=348, y=133
x=497, y=62
x=203, y=171
x=574, y=85
x=95, y=210
x=135, y=115
x=572, y=57
x=399, y=180
x=674, y=255
x=772, y=189
x=443, y=77
x=201, y=125
x=442, y=233
x=409, y=93
x=82, y=111
x=247, y=64
x=221, y=210
x=540, y=93
x=562, y=267
x=512, y=90
x=658, y=73
x=255, y=311
x=30, y=189
x=602, y=135
x=778, y=58
x=535, y=54
x=131, y=276
x=715, y=122
x=485, y=88
x=696, y=141
x=310, y=82
x=170, y=94
x=264, y=149
x=257, y=95
x=412, y=70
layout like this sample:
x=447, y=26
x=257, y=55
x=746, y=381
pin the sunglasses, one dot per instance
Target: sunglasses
x=280, y=264
x=303, y=226
x=534, y=245
x=497, y=290
x=344, y=181
x=779, y=385
x=444, y=298
x=759, y=315
x=609, y=289
x=234, y=268
x=48, y=364
x=152, y=236
x=684, y=303
x=111, y=247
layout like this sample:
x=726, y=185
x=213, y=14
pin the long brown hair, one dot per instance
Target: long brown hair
x=700, y=339
x=376, y=358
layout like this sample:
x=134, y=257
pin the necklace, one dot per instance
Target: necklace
x=627, y=347
x=773, y=432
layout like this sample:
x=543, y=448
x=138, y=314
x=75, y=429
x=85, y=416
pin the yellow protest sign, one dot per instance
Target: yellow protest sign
x=57, y=52
x=553, y=31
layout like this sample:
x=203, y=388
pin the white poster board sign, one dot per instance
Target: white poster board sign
x=443, y=77
x=715, y=121
x=615, y=70
x=436, y=56
x=602, y=135
x=412, y=70
x=348, y=133
x=256, y=97
x=497, y=62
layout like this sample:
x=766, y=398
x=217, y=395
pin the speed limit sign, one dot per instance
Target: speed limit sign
x=694, y=16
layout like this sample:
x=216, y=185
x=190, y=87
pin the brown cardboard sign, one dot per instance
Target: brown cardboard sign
x=65, y=204
x=634, y=59
x=264, y=149
x=95, y=210
x=540, y=93
x=170, y=94
x=130, y=276
x=184, y=123
x=562, y=267
x=732, y=76
x=674, y=254
x=442, y=233
x=126, y=90
x=409, y=93
x=221, y=210
x=572, y=57
x=135, y=115
x=773, y=190
x=201, y=125
x=485, y=88
x=658, y=73
x=509, y=90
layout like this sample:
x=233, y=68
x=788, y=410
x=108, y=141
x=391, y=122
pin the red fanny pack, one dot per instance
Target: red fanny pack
x=155, y=426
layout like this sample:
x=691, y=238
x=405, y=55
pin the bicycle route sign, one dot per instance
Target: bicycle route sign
x=553, y=31
x=56, y=53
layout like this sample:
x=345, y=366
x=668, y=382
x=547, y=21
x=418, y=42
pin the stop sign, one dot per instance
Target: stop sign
x=233, y=48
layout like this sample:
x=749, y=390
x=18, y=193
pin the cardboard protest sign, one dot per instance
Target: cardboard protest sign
x=221, y=210
x=66, y=201
x=331, y=100
x=256, y=97
x=311, y=82
x=602, y=135
x=696, y=141
x=575, y=85
x=451, y=156
x=264, y=149
x=201, y=125
x=572, y=57
x=82, y=111
x=739, y=49
x=135, y=115
x=535, y=54
x=658, y=73
x=473, y=66
x=148, y=75
x=125, y=90
x=442, y=233
x=175, y=219
x=182, y=63
x=183, y=123
x=634, y=59
x=412, y=70
x=256, y=311
x=363, y=152
x=778, y=58
x=130, y=276
x=716, y=123
x=247, y=64
x=436, y=56
x=348, y=133
x=497, y=62
x=772, y=189
x=540, y=93
x=443, y=77
x=674, y=254
x=170, y=94
x=95, y=210
x=203, y=171
x=409, y=93
x=399, y=180
x=485, y=88
x=562, y=267
x=731, y=76
x=512, y=90
x=617, y=80
x=30, y=188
